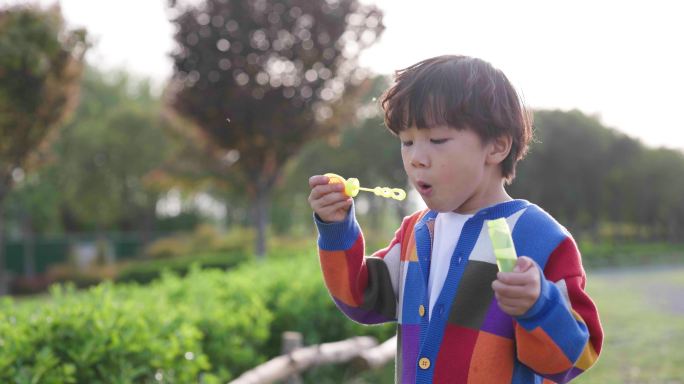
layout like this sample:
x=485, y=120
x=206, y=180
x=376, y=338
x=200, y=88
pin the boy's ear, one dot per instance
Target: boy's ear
x=498, y=149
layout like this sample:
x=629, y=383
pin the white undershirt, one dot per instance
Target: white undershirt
x=448, y=227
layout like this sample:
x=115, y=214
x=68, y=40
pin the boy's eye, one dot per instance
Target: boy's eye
x=406, y=143
x=438, y=141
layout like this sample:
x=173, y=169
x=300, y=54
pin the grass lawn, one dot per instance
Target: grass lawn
x=642, y=311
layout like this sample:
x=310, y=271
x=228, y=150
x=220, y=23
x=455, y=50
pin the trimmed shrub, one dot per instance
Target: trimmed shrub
x=609, y=254
x=206, y=327
x=148, y=270
x=169, y=332
x=205, y=239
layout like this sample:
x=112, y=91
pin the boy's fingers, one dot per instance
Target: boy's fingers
x=525, y=272
x=328, y=200
x=318, y=180
x=334, y=212
x=331, y=198
x=511, y=309
x=340, y=205
x=320, y=191
x=514, y=278
x=316, y=193
x=512, y=302
x=523, y=264
x=511, y=291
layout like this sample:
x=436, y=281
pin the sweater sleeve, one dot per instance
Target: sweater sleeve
x=561, y=335
x=365, y=288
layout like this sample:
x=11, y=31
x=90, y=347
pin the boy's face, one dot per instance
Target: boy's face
x=449, y=168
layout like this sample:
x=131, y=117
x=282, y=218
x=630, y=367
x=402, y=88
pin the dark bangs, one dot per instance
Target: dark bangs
x=425, y=96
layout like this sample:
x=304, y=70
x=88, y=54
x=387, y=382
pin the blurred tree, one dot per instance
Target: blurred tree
x=261, y=78
x=660, y=193
x=40, y=66
x=587, y=175
x=565, y=173
x=597, y=181
x=33, y=207
x=364, y=149
x=619, y=192
x=117, y=138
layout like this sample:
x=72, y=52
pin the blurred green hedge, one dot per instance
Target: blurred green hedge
x=147, y=270
x=206, y=327
x=206, y=246
x=619, y=254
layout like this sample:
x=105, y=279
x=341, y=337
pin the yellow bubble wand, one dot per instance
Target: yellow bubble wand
x=352, y=188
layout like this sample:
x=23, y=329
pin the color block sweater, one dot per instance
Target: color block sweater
x=466, y=338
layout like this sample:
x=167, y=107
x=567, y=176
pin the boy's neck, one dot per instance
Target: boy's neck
x=486, y=197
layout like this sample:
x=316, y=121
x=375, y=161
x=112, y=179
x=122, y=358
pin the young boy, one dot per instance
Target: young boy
x=462, y=129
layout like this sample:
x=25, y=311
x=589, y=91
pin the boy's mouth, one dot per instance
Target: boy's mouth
x=423, y=187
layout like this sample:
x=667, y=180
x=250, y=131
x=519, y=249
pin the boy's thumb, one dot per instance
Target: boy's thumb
x=522, y=264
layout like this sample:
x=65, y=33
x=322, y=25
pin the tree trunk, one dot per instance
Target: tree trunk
x=376, y=208
x=148, y=225
x=672, y=229
x=261, y=214
x=29, y=246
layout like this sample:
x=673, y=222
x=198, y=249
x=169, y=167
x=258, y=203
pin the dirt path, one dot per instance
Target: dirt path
x=661, y=284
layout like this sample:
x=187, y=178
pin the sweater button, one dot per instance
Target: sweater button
x=421, y=310
x=424, y=363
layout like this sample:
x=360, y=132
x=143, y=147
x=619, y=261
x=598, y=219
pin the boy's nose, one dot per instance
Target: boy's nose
x=417, y=163
x=419, y=159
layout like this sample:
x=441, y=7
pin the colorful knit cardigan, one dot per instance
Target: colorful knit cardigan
x=468, y=339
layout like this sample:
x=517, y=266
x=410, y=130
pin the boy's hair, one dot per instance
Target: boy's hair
x=460, y=92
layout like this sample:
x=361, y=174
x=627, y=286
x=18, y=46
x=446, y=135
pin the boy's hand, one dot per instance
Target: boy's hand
x=328, y=200
x=517, y=291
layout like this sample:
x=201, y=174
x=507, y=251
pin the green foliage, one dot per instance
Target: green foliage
x=206, y=247
x=587, y=175
x=364, y=149
x=205, y=326
x=205, y=238
x=119, y=340
x=176, y=329
x=607, y=254
x=601, y=184
x=117, y=138
x=34, y=201
x=186, y=220
x=564, y=170
x=149, y=270
x=96, y=176
x=295, y=293
x=40, y=65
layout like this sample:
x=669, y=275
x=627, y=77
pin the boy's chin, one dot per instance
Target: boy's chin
x=445, y=208
x=441, y=208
